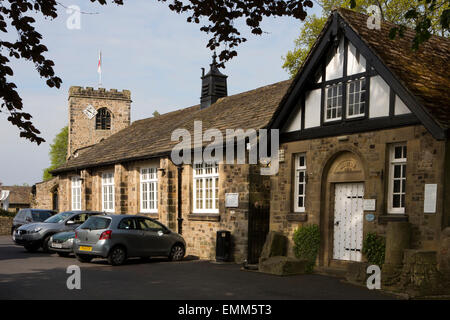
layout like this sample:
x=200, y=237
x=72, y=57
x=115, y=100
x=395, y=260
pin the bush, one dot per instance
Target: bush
x=374, y=248
x=306, y=244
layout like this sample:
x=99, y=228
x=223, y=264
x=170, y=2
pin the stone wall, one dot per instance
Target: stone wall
x=82, y=132
x=425, y=164
x=43, y=198
x=5, y=225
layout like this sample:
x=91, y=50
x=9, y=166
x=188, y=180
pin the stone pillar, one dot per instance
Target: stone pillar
x=398, y=238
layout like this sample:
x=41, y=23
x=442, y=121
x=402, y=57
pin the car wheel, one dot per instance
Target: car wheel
x=177, y=253
x=31, y=248
x=45, y=244
x=117, y=256
x=84, y=258
x=63, y=254
x=13, y=234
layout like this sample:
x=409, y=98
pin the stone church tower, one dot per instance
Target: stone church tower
x=95, y=115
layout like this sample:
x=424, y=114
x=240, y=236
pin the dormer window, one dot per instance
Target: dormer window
x=103, y=119
x=333, y=107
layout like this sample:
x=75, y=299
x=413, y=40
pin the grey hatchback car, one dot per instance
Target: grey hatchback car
x=118, y=237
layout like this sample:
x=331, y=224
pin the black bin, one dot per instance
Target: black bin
x=223, y=246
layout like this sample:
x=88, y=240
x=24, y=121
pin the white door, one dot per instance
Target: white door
x=348, y=221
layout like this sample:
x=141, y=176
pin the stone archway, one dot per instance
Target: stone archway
x=342, y=187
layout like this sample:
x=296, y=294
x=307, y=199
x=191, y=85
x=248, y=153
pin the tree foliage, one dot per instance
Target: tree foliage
x=427, y=17
x=58, y=152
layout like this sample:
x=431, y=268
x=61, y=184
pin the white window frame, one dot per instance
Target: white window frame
x=76, y=193
x=149, y=189
x=108, y=185
x=337, y=118
x=298, y=170
x=202, y=174
x=392, y=163
x=360, y=102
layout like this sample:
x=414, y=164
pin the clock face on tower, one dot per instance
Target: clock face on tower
x=90, y=112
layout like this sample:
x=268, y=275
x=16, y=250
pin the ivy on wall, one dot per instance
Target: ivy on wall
x=307, y=244
x=374, y=248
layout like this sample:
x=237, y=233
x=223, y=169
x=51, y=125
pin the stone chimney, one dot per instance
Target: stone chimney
x=214, y=85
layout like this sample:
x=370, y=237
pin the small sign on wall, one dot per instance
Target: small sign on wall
x=369, y=205
x=429, y=203
x=231, y=200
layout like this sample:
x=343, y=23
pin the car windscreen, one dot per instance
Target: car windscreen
x=40, y=216
x=60, y=217
x=96, y=223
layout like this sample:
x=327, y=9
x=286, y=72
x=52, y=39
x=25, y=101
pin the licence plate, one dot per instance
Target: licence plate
x=82, y=248
x=57, y=245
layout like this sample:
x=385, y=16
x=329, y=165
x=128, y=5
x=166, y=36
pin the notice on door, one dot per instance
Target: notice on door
x=429, y=203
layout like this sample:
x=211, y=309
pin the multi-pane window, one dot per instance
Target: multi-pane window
x=149, y=189
x=103, y=119
x=76, y=193
x=206, y=188
x=356, y=97
x=333, y=102
x=300, y=182
x=397, y=182
x=108, y=192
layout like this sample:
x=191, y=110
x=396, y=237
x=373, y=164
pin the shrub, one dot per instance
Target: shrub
x=306, y=244
x=374, y=248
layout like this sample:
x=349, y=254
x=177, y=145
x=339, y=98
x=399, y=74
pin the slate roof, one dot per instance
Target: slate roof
x=151, y=137
x=425, y=72
x=18, y=194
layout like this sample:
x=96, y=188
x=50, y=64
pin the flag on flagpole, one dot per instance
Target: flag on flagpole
x=99, y=68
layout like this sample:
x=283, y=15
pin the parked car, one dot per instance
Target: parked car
x=118, y=237
x=62, y=243
x=35, y=235
x=25, y=216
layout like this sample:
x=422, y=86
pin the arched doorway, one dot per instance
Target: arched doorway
x=343, y=185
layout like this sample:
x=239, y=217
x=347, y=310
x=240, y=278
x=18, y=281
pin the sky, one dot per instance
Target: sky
x=147, y=49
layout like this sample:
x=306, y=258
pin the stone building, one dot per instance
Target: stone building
x=14, y=198
x=364, y=142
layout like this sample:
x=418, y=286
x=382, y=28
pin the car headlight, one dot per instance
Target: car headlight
x=36, y=230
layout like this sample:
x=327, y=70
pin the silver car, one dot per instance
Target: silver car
x=118, y=237
x=62, y=243
x=35, y=235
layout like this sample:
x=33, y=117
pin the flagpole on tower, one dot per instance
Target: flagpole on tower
x=99, y=68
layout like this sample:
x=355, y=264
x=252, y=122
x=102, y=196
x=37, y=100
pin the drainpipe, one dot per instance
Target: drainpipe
x=180, y=216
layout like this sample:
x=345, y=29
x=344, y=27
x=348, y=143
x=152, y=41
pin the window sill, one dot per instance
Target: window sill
x=214, y=217
x=385, y=218
x=297, y=216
